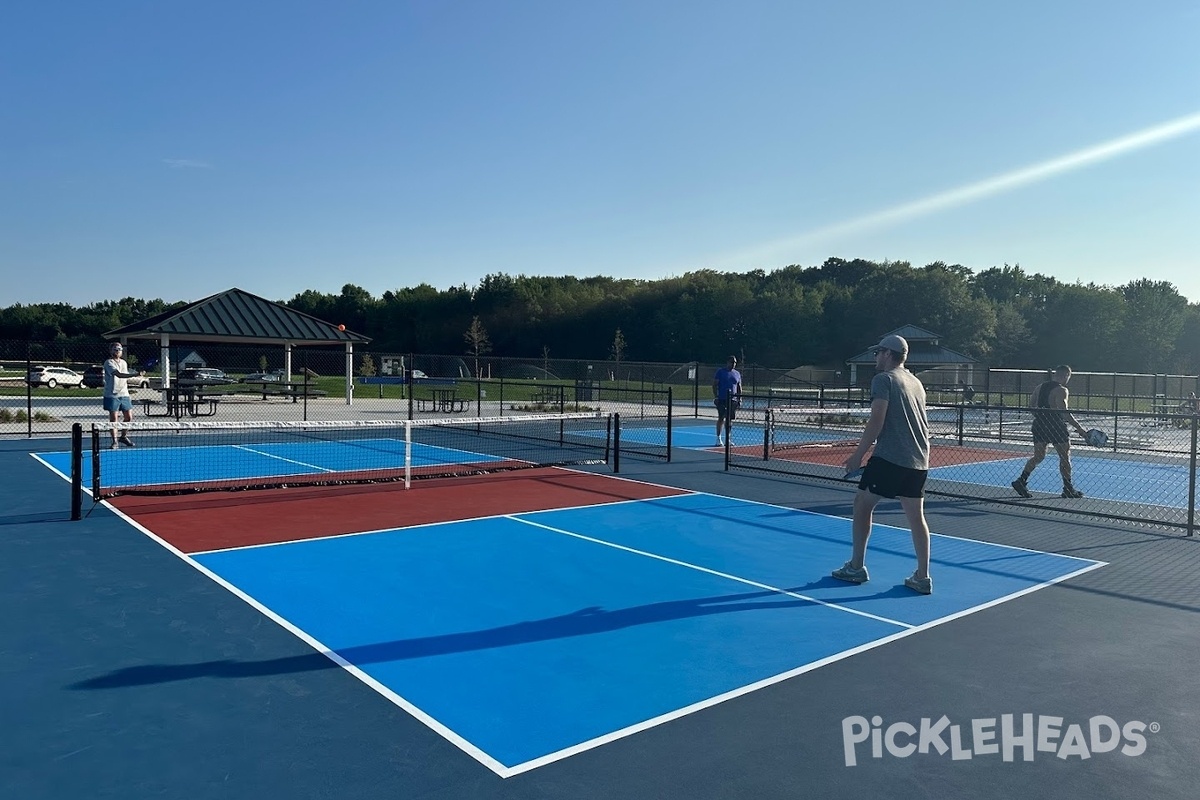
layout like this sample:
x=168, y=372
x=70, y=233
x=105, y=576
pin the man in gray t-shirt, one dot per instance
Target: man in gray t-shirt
x=899, y=429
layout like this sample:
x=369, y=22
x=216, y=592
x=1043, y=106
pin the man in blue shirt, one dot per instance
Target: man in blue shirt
x=727, y=391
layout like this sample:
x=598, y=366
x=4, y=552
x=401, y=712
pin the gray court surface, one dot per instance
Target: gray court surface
x=1098, y=673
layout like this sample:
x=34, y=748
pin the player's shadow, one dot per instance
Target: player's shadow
x=584, y=622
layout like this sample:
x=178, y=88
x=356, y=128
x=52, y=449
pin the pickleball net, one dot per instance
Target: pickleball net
x=181, y=457
x=797, y=429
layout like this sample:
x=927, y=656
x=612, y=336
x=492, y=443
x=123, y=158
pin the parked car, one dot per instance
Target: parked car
x=93, y=378
x=276, y=376
x=202, y=376
x=53, y=376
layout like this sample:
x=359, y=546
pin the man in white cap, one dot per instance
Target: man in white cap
x=116, y=391
x=899, y=429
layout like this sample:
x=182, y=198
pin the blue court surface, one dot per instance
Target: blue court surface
x=1124, y=481
x=527, y=638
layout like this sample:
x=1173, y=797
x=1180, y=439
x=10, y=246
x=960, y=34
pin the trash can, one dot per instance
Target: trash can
x=587, y=391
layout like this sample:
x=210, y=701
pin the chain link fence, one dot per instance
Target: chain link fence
x=1144, y=473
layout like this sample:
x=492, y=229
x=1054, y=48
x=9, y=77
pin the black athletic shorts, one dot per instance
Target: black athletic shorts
x=889, y=480
x=1051, y=432
x=727, y=407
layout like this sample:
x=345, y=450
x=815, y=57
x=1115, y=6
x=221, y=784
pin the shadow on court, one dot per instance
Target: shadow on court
x=584, y=622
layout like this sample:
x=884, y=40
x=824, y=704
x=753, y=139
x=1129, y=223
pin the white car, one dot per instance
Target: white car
x=51, y=377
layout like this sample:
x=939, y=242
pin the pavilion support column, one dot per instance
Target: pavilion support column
x=349, y=373
x=164, y=359
x=287, y=362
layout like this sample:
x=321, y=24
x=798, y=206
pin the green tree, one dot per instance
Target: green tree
x=1154, y=315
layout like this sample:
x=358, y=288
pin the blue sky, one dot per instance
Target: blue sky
x=177, y=149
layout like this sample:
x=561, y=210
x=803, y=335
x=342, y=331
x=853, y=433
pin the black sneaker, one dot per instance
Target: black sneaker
x=1020, y=488
x=125, y=440
x=1071, y=493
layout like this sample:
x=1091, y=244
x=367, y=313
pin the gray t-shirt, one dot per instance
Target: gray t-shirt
x=904, y=440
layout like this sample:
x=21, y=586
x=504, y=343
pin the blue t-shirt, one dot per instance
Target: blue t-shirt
x=727, y=381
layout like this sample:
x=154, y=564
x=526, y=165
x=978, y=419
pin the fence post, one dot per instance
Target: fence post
x=768, y=421
x=28, y=389
x=616, y=423
x=670, y=419
x=1191, y=524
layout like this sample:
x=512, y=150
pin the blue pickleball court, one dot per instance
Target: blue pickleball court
x=524, y=638
x=1120, y=480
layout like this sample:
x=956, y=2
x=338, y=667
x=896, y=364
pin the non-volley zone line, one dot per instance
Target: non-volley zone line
x=719, y=596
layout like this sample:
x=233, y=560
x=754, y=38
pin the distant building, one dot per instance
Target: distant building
x=924, y=354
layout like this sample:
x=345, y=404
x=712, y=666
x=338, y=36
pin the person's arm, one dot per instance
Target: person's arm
x=1059, y=401
x=879, y=408
x=110, y=368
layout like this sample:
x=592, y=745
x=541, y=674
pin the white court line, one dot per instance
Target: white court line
x=280, y=458
x=717, y=573
x=437, y=727
x=907, y=630
x=504, y=771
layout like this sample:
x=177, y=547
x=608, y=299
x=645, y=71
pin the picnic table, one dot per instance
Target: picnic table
x=444, y=399
x=181, y=401
x=550, y=396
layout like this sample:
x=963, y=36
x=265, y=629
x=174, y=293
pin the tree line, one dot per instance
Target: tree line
x=792, y=316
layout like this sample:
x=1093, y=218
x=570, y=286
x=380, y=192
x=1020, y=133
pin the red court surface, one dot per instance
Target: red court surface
x=215, y=520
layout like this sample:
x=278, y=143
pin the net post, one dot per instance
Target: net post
x=616, y=423
x=76, y=472
x=728, y=430
x=961, y=411
x=670, y=418
x=95, y=465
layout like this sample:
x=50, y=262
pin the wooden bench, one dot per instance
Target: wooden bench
x=296, y=394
